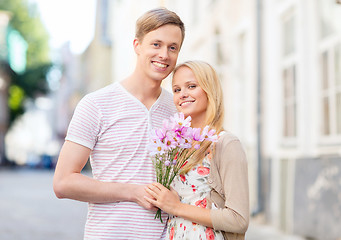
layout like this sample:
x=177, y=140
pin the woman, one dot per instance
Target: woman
x=213, y=184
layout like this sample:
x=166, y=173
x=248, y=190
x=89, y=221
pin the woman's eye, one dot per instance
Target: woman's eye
x=192, y=86
x=176, y=90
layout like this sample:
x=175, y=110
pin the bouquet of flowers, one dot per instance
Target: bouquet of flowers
x=173, y=144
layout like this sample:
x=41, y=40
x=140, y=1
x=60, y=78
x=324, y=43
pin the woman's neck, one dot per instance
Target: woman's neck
x=198, y=122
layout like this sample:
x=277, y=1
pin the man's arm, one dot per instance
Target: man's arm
x=68, y=182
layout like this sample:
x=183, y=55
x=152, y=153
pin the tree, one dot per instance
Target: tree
x=26, y=20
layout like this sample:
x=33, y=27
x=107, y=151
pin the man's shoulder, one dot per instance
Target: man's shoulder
x=103, y=91
x=167, y=93
x=166, y=96
x=107, y=92
x=167, y=100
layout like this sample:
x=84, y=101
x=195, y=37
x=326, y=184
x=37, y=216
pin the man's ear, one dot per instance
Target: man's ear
x=136, y=44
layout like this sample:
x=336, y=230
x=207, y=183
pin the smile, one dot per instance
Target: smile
x=186, y=103
x=160, y=65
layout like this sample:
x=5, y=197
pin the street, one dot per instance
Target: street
x=29, y=210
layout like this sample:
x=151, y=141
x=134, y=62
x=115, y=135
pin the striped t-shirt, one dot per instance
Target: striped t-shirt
x=116, y=127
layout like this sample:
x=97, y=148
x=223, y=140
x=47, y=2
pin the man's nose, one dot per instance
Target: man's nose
x=163, y=54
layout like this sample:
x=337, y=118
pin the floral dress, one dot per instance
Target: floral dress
x=193, y=189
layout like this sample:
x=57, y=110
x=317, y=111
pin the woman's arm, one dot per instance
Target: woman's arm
x=231, y=167
x=229, y=162
x=168, y=201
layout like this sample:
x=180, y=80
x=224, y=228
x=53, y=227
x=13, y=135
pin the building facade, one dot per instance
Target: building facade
x=279, y=62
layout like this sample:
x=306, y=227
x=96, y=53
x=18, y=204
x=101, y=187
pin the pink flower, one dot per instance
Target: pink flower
x=160, y=133
x=201, y=203
x=209, y=233
x=157, y=147
x=171, y=234
x=185, y=143
x=196, y=134
x=171, y=147
x=182, y=177
x=180, y=121
x=209, y=134
x=203, y=171
x=169, y=141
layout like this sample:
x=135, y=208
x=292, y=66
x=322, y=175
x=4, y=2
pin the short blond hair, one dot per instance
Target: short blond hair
x=209, y=81
x=155, y=18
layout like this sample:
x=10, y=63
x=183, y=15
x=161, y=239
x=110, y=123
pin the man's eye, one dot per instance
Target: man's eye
x=173, y=48
x=156, y=44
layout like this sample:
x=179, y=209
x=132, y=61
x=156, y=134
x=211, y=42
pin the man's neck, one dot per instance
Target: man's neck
x=147, y=92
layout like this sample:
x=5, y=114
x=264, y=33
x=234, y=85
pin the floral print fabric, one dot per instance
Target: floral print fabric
x=193, y=189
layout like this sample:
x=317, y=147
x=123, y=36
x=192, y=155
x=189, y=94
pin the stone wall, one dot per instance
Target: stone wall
x=317, y=201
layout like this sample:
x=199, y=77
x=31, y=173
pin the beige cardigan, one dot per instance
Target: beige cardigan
x=229, y=181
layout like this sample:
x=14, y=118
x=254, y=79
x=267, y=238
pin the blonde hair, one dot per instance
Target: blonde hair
x=208, y=80
x=155, y=18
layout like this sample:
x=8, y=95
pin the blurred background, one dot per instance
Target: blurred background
x=280, y=65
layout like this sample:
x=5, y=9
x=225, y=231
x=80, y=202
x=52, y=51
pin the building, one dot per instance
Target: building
x=280, y=66
x=279, y=63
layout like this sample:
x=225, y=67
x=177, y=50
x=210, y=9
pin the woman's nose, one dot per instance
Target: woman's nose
x=184, y=94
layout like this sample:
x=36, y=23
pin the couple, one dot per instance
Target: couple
x=112, y=126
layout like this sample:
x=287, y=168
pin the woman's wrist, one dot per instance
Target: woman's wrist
x=179, y=210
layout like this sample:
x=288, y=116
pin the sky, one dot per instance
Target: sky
x=68, y=20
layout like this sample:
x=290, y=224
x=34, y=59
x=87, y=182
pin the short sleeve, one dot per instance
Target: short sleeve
x=85, y=124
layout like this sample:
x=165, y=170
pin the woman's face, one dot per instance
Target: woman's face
x=189, y=97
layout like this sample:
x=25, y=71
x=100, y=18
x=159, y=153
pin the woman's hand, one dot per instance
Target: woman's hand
x=167, y=200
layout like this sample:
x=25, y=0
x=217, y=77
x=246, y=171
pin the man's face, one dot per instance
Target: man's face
x=158, y=52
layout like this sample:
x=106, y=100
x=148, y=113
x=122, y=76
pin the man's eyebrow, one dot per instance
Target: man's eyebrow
x=160, y=41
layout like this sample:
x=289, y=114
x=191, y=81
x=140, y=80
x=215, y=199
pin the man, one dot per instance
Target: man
x=112, y=126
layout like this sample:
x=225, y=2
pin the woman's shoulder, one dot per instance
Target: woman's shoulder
x=225, y=137
x=228, y=147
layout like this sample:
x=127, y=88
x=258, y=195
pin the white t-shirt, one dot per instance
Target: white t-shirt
x=116, y=127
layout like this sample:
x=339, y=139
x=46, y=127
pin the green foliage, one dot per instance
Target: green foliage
x=16, y=97
x=26, y=20
x=30, y=84
x=33, y=80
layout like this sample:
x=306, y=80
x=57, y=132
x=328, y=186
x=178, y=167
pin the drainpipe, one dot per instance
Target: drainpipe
x=259, y=208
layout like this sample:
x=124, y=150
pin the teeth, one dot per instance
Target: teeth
x=160, y=64
x=185, y=103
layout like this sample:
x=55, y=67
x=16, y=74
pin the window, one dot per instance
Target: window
x=218, y=47
x=289, y=36
x=289, y=88
x=289, y=81
x=331, y=91
x=105, y=19
x=329, y=17
x=337, y=69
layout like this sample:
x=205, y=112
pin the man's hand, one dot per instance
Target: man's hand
x=161, y=197
x=140, y=195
